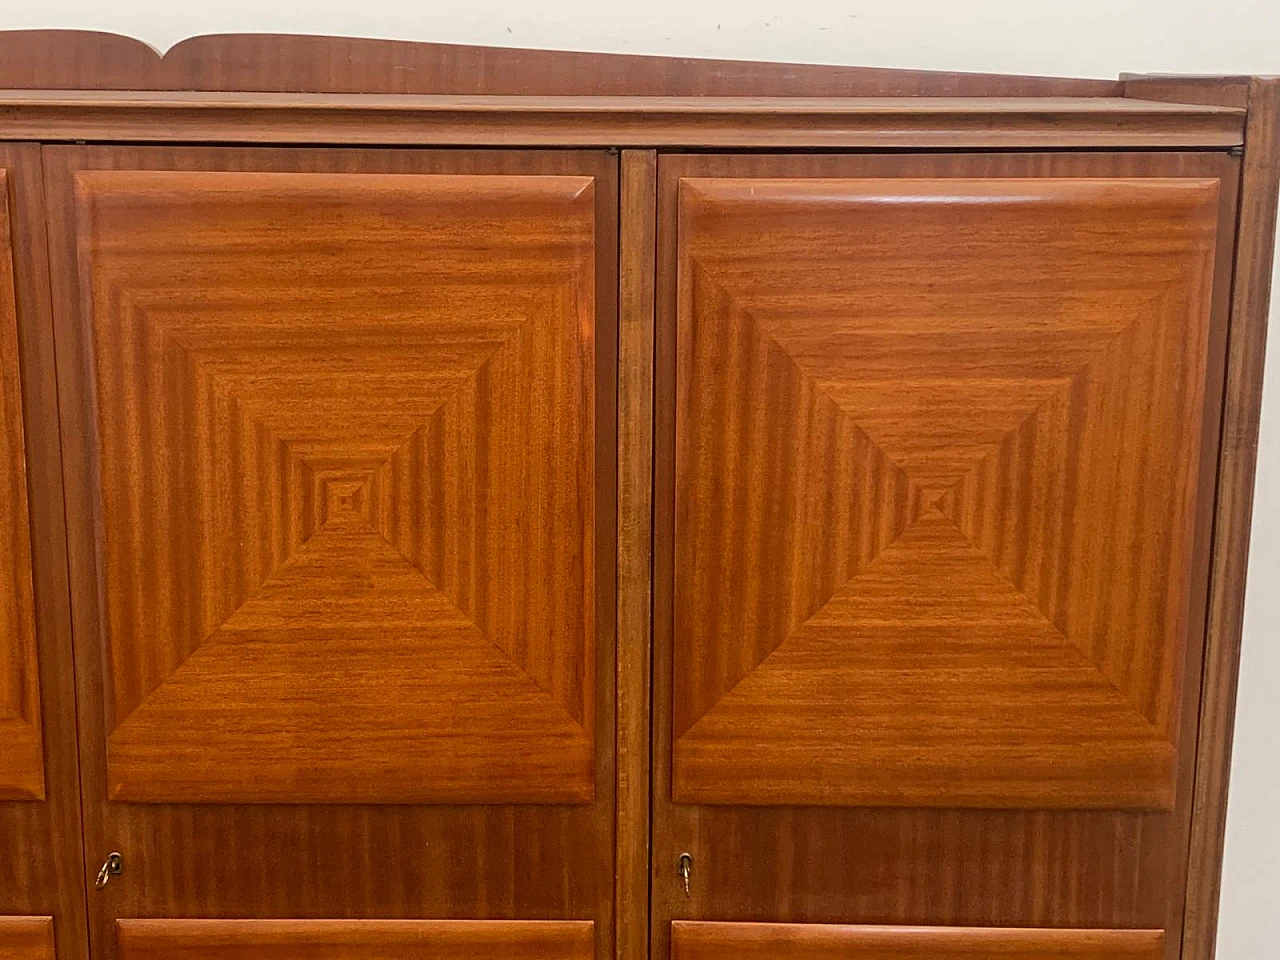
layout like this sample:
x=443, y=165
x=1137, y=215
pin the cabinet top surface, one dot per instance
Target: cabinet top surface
x=615, y=121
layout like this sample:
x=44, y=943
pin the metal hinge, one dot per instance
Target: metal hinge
x=1236, y=151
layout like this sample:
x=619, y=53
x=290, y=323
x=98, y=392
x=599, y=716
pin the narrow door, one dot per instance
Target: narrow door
x=41, y=877
x=342, y=536
x=936, y=438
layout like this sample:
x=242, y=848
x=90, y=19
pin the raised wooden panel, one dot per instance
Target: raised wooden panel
x=942, y=437
x=354, y=940
x=26, y=938
x=781, y=941
x=21, y=752
x=346, y=457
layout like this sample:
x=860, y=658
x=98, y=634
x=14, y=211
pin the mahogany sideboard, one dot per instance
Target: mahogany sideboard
x=517, y=505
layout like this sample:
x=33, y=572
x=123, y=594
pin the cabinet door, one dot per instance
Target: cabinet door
x=41, y=880
x=934, y=475
x=352, y=939
x=342, y=543
x=798, y=941
x=26, y=938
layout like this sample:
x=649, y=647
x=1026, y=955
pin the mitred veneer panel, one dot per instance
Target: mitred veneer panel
x=346, y=452
x=943, y=439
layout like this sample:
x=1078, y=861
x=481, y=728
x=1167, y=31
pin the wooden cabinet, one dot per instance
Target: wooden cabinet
x=736, y=512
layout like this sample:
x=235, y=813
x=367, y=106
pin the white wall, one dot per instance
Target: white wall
x=1097, y=38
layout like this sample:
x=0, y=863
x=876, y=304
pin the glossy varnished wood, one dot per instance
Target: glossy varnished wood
x=366, y=939
x=928, y=866
x=21, y=748
x=635, y=537
x=1250, y=304
x=776, y=941
x=40, y=839
x=616, y=121
x=87, y=60
x=345, y=431
x=26, y=938
x=937, y=445
x=549, y=861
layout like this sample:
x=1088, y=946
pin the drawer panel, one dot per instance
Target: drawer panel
x=352, y=939
x=813, y=941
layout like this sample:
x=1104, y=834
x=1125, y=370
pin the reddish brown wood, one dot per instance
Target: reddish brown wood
x=40, y=839
x=635, y=538
x=777, y=941
x=85, y=60
x=345, y=443
x=1221, y=91
x=26, y=938
x=937, y=445
x=21, y=746
x=282, y=321
x=616, y=121
x=368, y=939
x=921, y=866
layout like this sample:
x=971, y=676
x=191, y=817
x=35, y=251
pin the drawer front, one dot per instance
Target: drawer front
x=354, y=940
x=26, y=938
x=797, y=941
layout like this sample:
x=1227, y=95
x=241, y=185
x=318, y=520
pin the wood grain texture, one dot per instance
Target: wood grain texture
x=346, y=447
x=1221, y=91
x=81, y=59
x=635, y=544
x=778, y=941
x=616, y=121
x=1237, y=458
x=953, y=867
x=372, y=861
x=942, y=439
x=26, y=938
x=21, y=747
x=41, y=840
x=348, y=939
